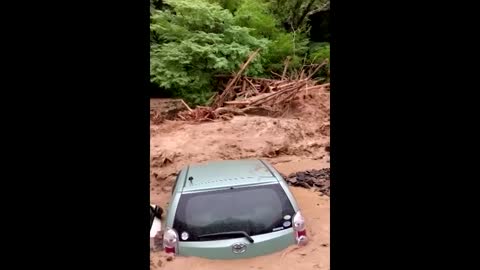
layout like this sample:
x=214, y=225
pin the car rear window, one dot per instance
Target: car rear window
x=255, y=210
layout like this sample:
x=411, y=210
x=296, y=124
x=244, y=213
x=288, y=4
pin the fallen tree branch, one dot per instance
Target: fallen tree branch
x=253, y=86
x=317, y=69
x=276, y=74
x=228, y=89
x=185, y=104
x=235, y=102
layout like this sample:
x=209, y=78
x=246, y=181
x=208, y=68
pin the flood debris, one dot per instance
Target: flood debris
x=243, y=95
x=162, y=109
x=311, y=178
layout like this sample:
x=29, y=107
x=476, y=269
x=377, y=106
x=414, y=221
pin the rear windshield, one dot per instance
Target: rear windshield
x=255, y=210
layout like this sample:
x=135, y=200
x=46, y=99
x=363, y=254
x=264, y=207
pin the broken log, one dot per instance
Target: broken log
x=317, y=69
x=237, y=102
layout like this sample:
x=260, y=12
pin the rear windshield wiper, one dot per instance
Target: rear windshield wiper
x=250, y=239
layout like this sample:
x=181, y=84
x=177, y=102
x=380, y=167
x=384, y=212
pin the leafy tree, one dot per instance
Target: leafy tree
x=193, y=42
x=258, y=16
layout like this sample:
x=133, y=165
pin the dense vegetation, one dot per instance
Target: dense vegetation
x=194, y=40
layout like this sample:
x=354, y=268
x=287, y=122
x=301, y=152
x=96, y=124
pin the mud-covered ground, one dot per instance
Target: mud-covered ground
x=297, y=142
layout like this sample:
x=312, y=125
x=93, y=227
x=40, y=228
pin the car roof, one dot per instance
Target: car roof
x=227, y=173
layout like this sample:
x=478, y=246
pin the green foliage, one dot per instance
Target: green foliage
x=256, y=15
x=285, y=45
x=319, y=52
x=195, y=41
x=231, y=5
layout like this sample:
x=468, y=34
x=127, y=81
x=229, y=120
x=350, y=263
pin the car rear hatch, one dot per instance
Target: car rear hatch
x=235, y=222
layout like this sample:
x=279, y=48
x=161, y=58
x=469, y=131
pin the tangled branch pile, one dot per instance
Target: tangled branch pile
x=248, y=95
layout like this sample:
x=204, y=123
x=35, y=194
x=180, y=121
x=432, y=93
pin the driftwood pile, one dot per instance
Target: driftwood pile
x=312, y=178
x=248, y=95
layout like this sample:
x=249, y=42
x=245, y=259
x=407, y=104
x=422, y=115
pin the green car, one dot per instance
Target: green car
x=231, y=209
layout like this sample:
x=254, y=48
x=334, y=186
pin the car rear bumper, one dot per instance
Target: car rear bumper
x=224, y=249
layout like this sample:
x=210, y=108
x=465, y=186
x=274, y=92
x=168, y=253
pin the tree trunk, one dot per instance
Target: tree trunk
x=305, y=12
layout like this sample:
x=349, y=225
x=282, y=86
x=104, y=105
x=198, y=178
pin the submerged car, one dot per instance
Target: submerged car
x=231, y=209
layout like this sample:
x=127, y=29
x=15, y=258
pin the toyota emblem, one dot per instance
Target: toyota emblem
x=239, y=248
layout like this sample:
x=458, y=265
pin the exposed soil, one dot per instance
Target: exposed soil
x=297, y=142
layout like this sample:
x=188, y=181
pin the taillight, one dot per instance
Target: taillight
x=300, y=229
x=170, y=241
